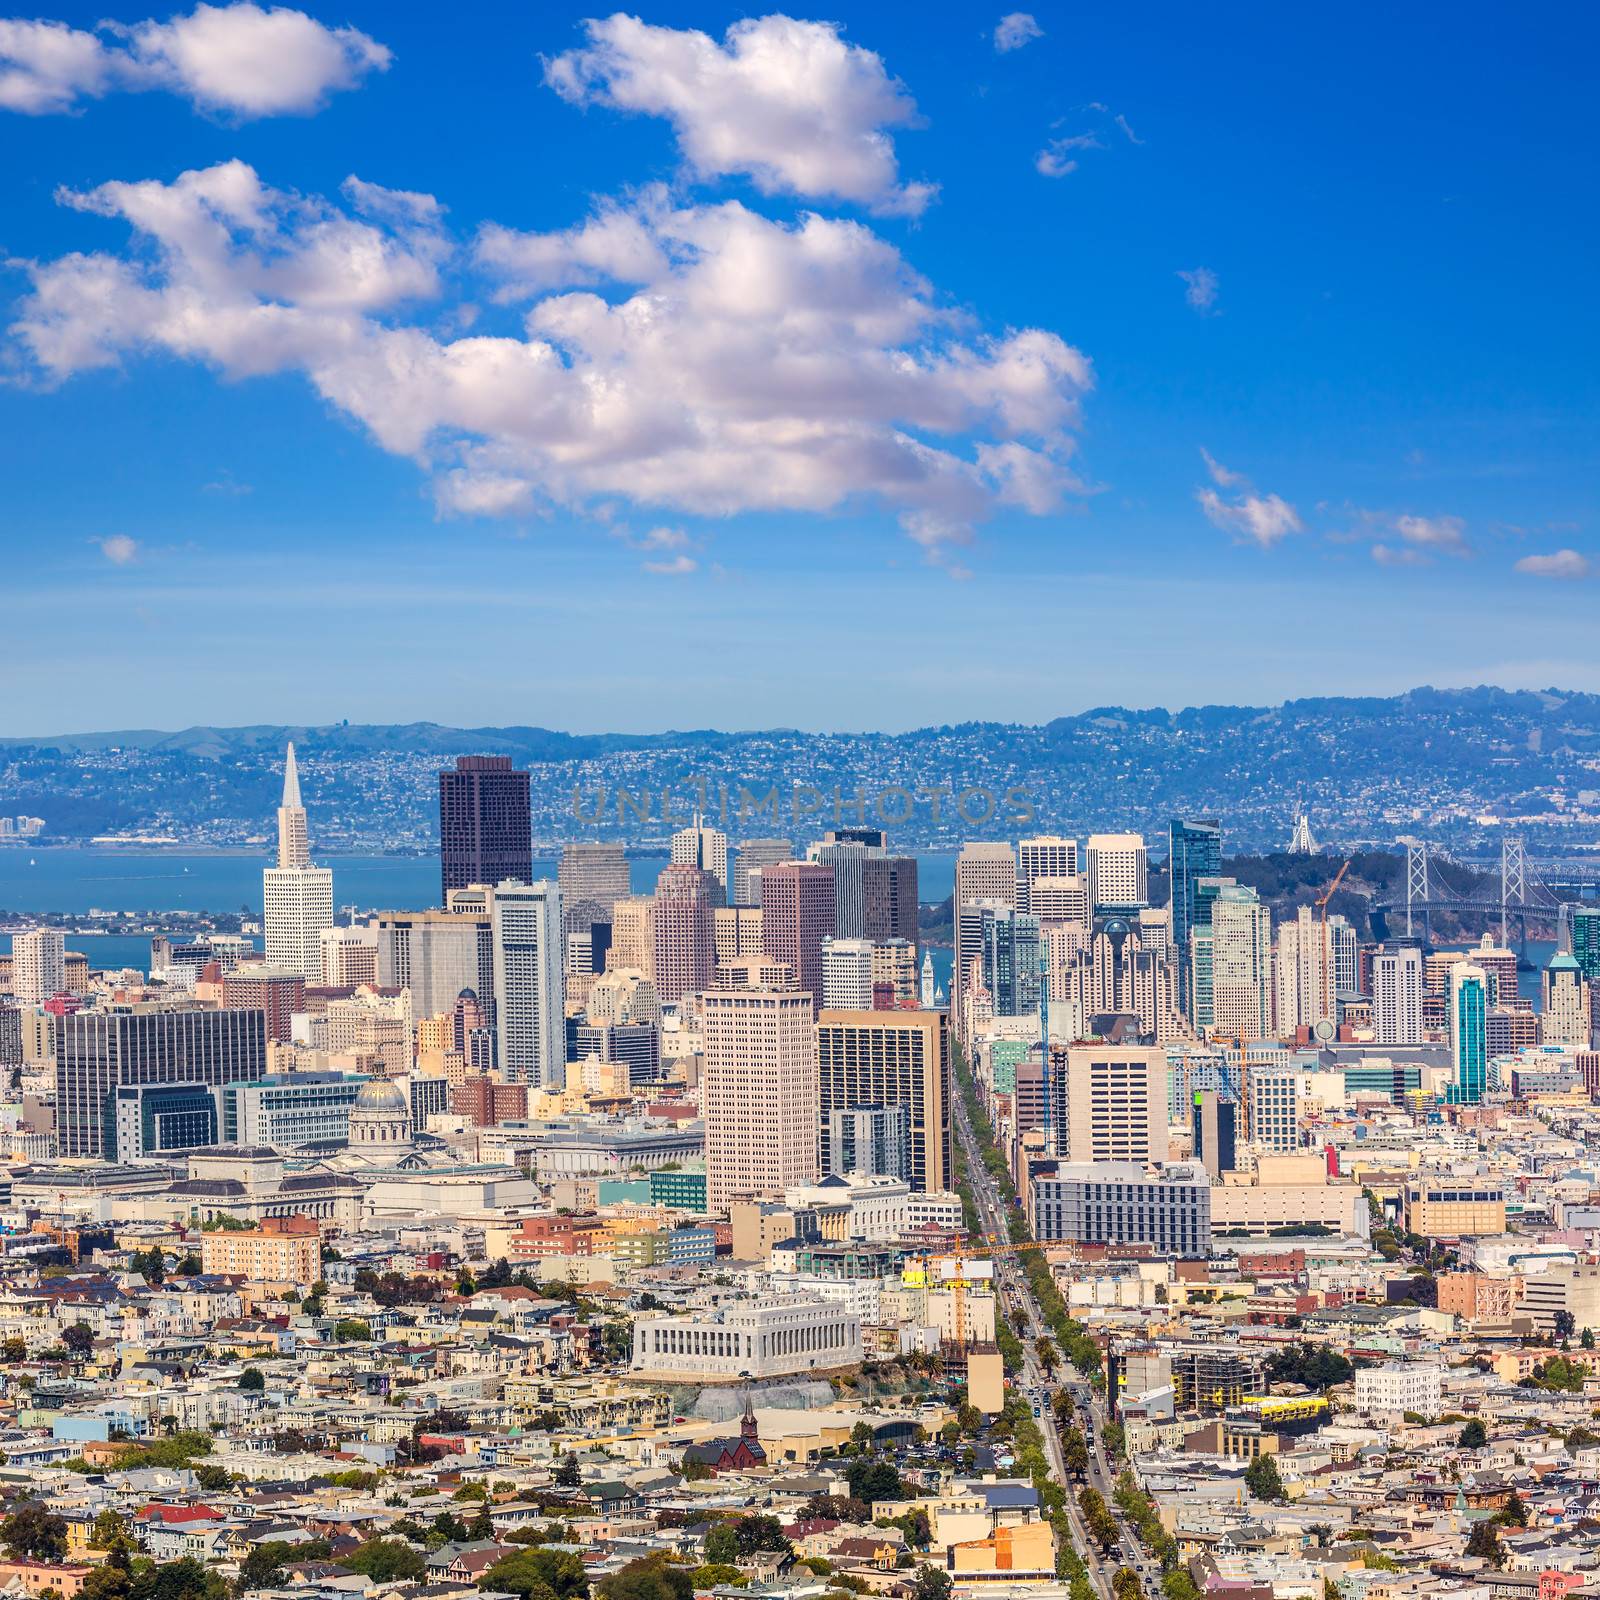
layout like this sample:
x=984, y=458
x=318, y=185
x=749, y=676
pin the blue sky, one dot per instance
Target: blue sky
x=1286, y=387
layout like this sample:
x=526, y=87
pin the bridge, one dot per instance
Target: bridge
x=1525, y=897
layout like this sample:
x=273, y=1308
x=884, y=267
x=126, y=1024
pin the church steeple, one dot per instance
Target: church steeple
x=747, y=1423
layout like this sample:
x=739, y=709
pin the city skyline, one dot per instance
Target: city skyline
x=1178, y=338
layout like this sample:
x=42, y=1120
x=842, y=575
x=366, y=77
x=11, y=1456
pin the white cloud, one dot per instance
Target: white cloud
x=119, y=549
x=754, y=365
x=1260, y=519
x=678, y=567
x=1559, y=564
x=1054, y=161
x=1014, y=30
x=1200, y=289
x=1444, y=534
x=242, y=59
x=1388, y=555
x=785, y=103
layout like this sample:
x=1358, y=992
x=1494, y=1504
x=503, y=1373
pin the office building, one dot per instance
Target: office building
x=637, y=1044
x=758, y=1093
x=985, y=873
x=10, y=1037
x=707, y=849
x=1013, y=972
x=592, y=872
x=1241, y=965
x=99, y=1051
x=1116, y=1103
x=1466, y=1013
x=1304, y=974
x=1119, y=872
x=349, y=957
x=894, y=968
x=1195, y=852
x=892, y=1059
x=438, y=955
x=528, y=994
x=633, y=936
x=871, y=1139
x=1454, y=1208
x=797, y=912
x=684, y=932
x=38, y=965
x=846, y=859
x=484, y=1103
x=155, y=1119
x=285, y=1110
x=1126, y=1204
x=1060, y=900
x=297, y=896
x=889, y=897
x=736, y=932
x=847, y=974
x=485, y=828
x=1215, y=1129
x=1397, y=994
x=1586, y=941
x=753, y=855
x=1565, y=1019
x=1044, y=856
x=263, y=988
x=1275, y=1109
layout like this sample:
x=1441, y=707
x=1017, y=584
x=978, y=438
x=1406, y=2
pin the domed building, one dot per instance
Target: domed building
x=380, y=1121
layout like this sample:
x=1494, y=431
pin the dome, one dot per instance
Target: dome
x=382, y=1095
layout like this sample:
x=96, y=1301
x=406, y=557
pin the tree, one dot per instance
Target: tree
x=1075, y=1452
x=251, y=1380
x=933, y=1583
x=79, y=1340
x=185, y=1579
x=1565, y=1324
x=1263, y=1479
x=1485, y=1542
x=482, y=1525
x=569, y=1475
x=386, y=1561
x=649, y=1578
x=1125, y=1584
x=1587, y=1340
x=1045, y=1350
x=1474, y=1436
x=262, y=1564
x=1315, y=1366
x=108, y=1532
x=15, y=1350
x=1514, y=1513
x=32, y=1533
x=694, y=1471
x=873, y=1481
x=351, y=1328
x=722, y=1545
x=557, y=1571
x=754, y=1534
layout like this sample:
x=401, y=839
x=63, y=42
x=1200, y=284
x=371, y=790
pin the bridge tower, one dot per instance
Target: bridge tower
x=1416, y=881
x=1513, y=883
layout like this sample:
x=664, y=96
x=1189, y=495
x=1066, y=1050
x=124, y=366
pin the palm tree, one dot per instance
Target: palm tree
x=1045, y=1350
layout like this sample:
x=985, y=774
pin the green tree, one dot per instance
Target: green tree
x=933, y=1583
x=1514, y=1513
x=558, y=1571
x=263, y=1563
x=252, y=1381
x=15, y=1350
x=1075, y=1452
x=649, y=1578
x=1485, y=1542
x=109, y=1530
x=722, y=1545
x=78, y=1340
x=569, y=1475
x=482, y=1525
x=873, y=1481
x=186, y=1579
x=1474, y=1436
x=1565, y=1324
x=32, y=1533
x=715, y=1576
x=351, y=1329
x=386, y=1561
x=1263, y=1479
x=1586, y=1341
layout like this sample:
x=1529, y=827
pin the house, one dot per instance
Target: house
x=731, y=1455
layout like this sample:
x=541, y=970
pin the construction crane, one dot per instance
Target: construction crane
x=1328, y=998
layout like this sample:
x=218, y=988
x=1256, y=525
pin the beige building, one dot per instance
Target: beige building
x=1454, y=1208
x=1477, y=1297
x=736, y=931
x=1116, y=1103
x=758, y=1094
x=1573, y=1289
x=633, y=936
x=279, y=1250
x=1284, y=1190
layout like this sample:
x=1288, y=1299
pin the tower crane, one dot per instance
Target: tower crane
x=1322, y=907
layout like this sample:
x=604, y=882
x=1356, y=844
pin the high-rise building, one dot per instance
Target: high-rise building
x=1116, y=1102
x=1565, y=1019
x=1064, y=899
x=633, y=935
x=892, y=1058
x=1275, y=1109
x=889, y=897
x=1586, y=941
x=707, y=849
x=298, y=896
x=485, y=827
x=438, y=954
x=530, y=1016
x=1196, y=852
x=754, y=854
x=1241, y=965
x=894, y=963
x=1397, y=994
x=1047, y=855
x=985, y=871
x=797, y=911
x=1466, y=1013
x=597, y=872
x=1119, y=872
x=873, y=1139
x=758, y=1094
x=847, y=860
x=349, y=957
x=1012, y=970
x=737, y=932
x=99, y=1051
x=1305, y=973
x=847, y=974
x=256, y=987
x=684, y=932
x=1215, y=1129
x=38, y=965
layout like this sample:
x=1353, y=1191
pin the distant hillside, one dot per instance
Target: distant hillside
x=1447, y=765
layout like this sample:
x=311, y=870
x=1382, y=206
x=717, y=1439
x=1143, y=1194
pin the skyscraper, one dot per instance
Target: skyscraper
x=758, y=1093
x=707, y=849
x=38, y=965
x=1012, y=970
x=1047, y=855
x=797, y=908
x=528, y=993
x=1397, y=994
x=437, y=955
x=1119, y=872
x=892, y=1058
x=847, y=974
x=1467, y=1023
x=985, y=871
x=1565, y=1019
x=1241, y=965
x=1116, y=1099
x=1215, y=1128
x=1195, y=853
x=485, y=831
x=754, y=854
x=298, y=897
x=597, y=872
x=1304, y=973
x=1586, y=941
x=684, y=933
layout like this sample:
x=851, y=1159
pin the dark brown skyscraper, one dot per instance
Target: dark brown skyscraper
x=797, y=914
x=485, y=831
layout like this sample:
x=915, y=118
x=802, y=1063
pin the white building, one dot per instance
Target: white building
x=1397, y=995
x=1275, y=1110
x=847, y=974
x=705, y=848
x=1241, y=965
x=1044, y=856
x=880, y=1207
x=297, y=898
x=1400, y=1386
x=1119, y=875
x=772, y=1337
x=38, y=965
x=349, y=957
x=528, y=985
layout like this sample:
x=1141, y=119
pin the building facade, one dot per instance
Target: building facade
x=485, y=826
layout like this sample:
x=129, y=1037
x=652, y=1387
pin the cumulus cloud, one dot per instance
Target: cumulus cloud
x=785, y=103
x=1200, y=286
x=1446, y=535
x=242, y=59
x=119, y=549
x=735, y=362
x=1014, y=30
x=1558, y=564
x=678, y=566
x=1259, y=519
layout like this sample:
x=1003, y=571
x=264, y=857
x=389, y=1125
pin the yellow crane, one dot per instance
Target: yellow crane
x=1322, y=908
